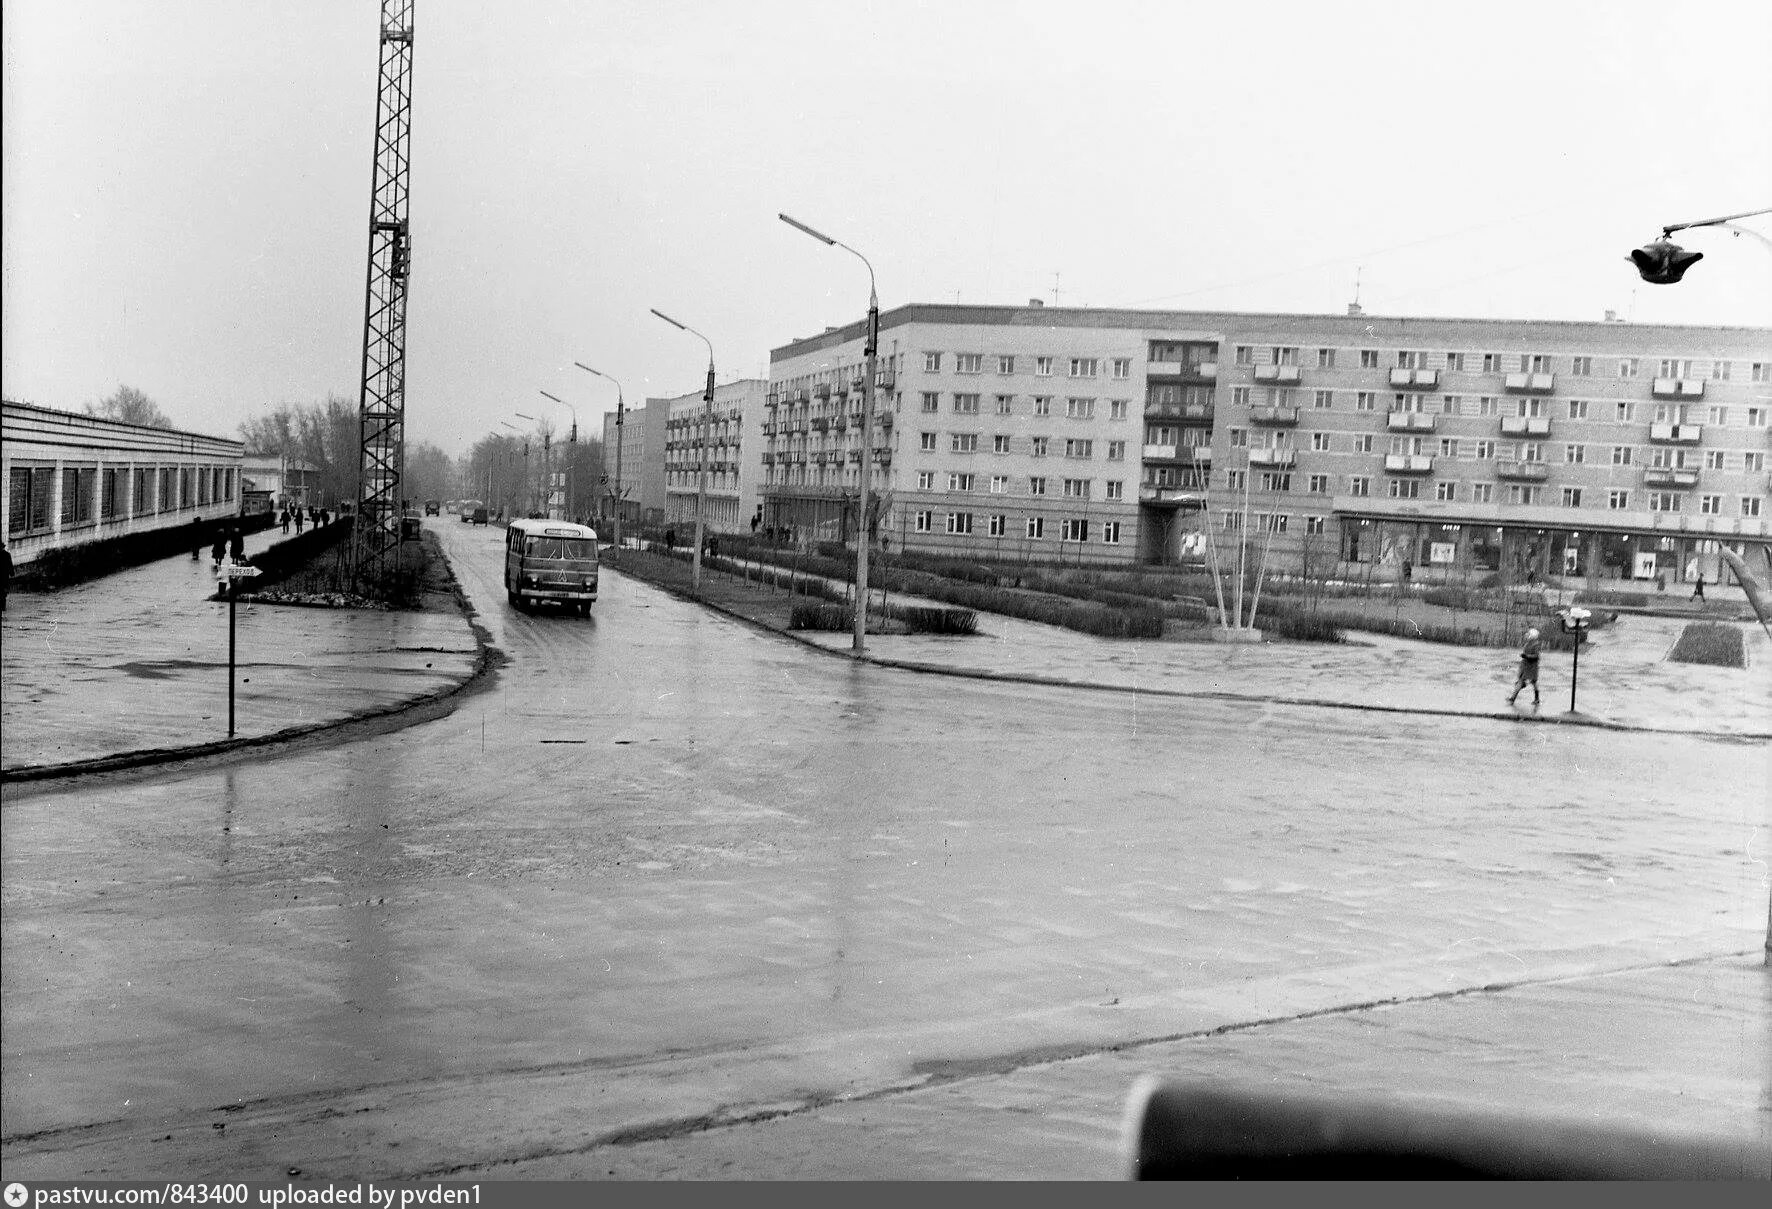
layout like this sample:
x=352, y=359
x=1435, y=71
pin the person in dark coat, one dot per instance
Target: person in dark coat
x=1528, y=668
x=219, y=551
x=237, y=547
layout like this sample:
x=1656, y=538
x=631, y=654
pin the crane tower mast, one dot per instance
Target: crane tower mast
x=382, y=404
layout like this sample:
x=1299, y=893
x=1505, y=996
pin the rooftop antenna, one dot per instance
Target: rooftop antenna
x=1054, y=289
x=1353, y=308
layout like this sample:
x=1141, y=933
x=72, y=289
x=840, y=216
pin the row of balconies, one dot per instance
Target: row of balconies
x=1206, y=371
x=834, y=457
x=1196, y=454
x=1677, y=388
x=1178, y=411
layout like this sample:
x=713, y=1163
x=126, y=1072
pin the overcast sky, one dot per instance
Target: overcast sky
x=186, y=182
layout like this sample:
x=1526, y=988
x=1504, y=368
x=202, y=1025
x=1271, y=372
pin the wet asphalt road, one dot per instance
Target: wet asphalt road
x=668, y=871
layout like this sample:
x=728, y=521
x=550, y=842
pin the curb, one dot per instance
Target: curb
x=934, y=669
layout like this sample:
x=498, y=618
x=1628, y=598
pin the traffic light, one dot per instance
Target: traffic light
x=1663, y=262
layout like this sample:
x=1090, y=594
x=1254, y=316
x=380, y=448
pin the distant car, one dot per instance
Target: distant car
x=467, y=510
x=433, y=507
x=479, y=516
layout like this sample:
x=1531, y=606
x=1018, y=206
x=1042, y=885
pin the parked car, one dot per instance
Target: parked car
x=433, y=507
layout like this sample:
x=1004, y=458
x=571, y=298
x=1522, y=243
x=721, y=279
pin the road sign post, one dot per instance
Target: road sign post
x=233, y=572
x=1575, y=622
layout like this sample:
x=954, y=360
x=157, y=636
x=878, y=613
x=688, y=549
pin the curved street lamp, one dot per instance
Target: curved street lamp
x=870, y=350
x=620, y=416
x=701, y=474
x=571, y=439
x=1664, y=262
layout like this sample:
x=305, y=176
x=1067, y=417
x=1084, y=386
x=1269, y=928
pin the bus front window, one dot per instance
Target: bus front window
x=558, y=549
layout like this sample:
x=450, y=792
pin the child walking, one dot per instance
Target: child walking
x=1528, y=668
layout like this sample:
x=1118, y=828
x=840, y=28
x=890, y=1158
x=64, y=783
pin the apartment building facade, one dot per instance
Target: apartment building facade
x=1345, y=444
x=728, y=431
x=640, y=472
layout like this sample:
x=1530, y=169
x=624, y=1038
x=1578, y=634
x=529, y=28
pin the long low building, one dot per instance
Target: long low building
x=1341, y=444
x=73, y=478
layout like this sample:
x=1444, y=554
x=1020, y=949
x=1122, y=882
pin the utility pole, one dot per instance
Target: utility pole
x=382, y=402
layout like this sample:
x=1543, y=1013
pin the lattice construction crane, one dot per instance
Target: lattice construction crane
x=382, y=405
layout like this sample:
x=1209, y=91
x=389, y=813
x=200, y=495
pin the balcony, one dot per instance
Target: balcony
x=1525, y=426
x=1154, y=493
x=1279, y=375
x=1677, y=388
x=1408, y=463
x=1281, y=458
x=1275, y=415
x=1526, y=472
x=1160, y=452
x=821, y=391
x=1676, y=434
x=1530, y=384
x=821, y=423
x=1409, y=421
x=1669, y=476
x=1207, y=370
x=1415, y=379
x=887, y=380
x=1178, y=411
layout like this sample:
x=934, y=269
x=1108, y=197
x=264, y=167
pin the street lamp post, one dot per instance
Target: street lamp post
x=547, y=462
x=620, y=415
x=515, y=429
x=572, y=440
x=1663, y=262
x=701, y=461
x=871, y=351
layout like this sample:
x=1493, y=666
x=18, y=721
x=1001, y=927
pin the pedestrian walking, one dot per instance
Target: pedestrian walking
x=298, y=522
x=219, y=551
x=284, y=517
x=1698, y=587
x=237, y=547
x=5, y=575
x=1528, y=668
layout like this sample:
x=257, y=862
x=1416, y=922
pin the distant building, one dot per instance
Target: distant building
x=74, y=478
x=279, y=480
x=727, y=432
x=1347, y=444
x=641, y=440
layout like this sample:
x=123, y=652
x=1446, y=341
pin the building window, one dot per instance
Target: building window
x=1448, y=447
x=1122, y=367
x=1518, y=493
x=1079, y=409
x=1078, y=448
x=1116, y=451
x=1005, y=363
x=1275, y=481
x=1325, y=358
x=999, y=524
x=1323, y=400
x=1621, y=455
x=1750, y=507
x=1366, y=400
x=1233, y=521
x=965, y=442
x=960, y=523
x=110, y=493
x=1535, y=363
x=1245, y=354
x=1005, y=404
x=926, y=441
x=1036, y=527
x=1319, y=484
x=28, y=499
x=1363, y=443
x=1115, y=489
x=1000, y=443
x=1234, y=479
x=1578, y=409
x=1445, y=492
x=1037, y=446
x=1571, y=497
x=1451, y=405
x=932, y=363
x=1076, y=529
x=1482, y=451
x=1665, y=501
x=925, y=521
x=1407, y=359
x=144, y=492
x=1574, y=455
x=1285, y=356
x=999, y=484
x=1719, y=415
x=1313, y=526
x=969, y=363
x=1043, y=367
x=1359, y=484
x=1753, y=461
x=1319, y=442
x=1581, y=367
x=78, y=485
x=1455, y=362
x=1076, y=489
x=1756, y=417
x=1492, y=363
x=1042, y=405
x=1405, y=489
x=1627, y=367
x=931, y=401
x=1713, y=459
x=1675, y=368
x=1760, y=371
x=1117, y=408
x=1482, y=493
x=966, y=405
x=1368, y=358
x=1618, y=501
x=1239, y=396
x=962, y=481
x=1110, y=533
x=1238, y=437
x=1709, y=505
x=1037, y=485
x=925, y=480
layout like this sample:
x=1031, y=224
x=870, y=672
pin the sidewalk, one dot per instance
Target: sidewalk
x=137, y=663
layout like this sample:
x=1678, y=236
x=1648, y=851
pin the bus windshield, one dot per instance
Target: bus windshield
x=554, y=549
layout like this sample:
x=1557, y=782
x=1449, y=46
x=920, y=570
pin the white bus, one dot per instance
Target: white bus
x=551, y=562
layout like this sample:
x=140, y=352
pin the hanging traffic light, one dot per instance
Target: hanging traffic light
x=1663, y=262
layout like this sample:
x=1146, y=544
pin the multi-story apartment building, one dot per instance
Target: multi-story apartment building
x=1440, y=446
x=641, y=471
x=727, y=431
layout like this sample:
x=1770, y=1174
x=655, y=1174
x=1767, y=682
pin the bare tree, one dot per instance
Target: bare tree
x=130, y=406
